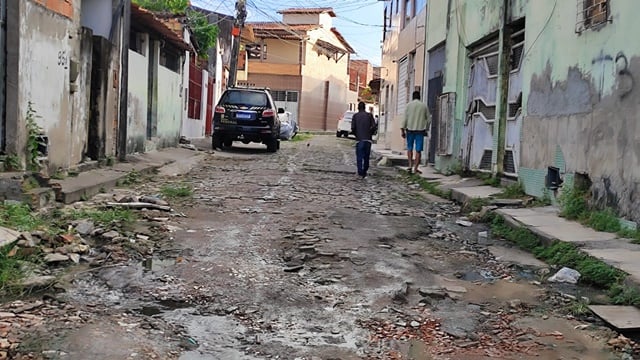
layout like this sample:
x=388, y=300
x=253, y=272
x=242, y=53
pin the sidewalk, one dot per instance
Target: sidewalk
x=89, y=183
x=545, y=222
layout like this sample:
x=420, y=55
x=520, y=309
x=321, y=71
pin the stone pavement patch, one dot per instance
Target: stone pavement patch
x=622, y=317
x=515, y=256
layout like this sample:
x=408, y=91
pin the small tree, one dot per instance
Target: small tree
x=204, y=34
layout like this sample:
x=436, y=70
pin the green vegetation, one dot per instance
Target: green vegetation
x=579, y=308
x=475, y=204
x=10, y=269
x=59, y=175
x=107, y=217
x=302, y=137
x=133, y=177
x=204, y=33
x=594, y=272
x=12, y=162
x=176, y=191
x=34, y=131
x=575, y=206
x=624, y=295
x=489, y=179
x=513, y=191
x=19, y=217
x=429, y=186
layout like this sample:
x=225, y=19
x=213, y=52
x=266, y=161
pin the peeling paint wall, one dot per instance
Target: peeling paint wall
x=461, y=24
x=169, y=107
x=581, y=99
x=137, y=104
x=49, y=45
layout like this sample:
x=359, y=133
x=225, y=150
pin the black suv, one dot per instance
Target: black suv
x=247, y=115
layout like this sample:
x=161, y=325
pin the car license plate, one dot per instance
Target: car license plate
x=243, y=115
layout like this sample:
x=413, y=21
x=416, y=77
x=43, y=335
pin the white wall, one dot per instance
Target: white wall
x=170, y=109
x=138, y=102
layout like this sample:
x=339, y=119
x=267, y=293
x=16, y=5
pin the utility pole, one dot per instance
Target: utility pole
x=238, y=24
x=124, y=89
x=503, y=85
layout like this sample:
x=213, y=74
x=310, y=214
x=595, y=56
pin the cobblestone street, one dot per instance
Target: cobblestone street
x=292, y=256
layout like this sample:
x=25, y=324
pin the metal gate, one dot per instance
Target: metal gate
x=288, y=100
x=480, y=119
x=403, y=85
x=514, y=109
x=3, y=67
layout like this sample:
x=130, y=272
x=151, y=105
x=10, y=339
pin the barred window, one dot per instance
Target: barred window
x=591, y=13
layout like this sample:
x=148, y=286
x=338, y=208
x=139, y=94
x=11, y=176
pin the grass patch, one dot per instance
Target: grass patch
x=575, y=206
x=489, y=179
x=476, y=204
x=302, y=137
x=19, y=217
x=624, y=295
x=133, y=177
x=176, y=191
x=429, y=186
x=579, y=309
x=594, y=271
x=10, y=269
x=513, y=191
x=104, y=217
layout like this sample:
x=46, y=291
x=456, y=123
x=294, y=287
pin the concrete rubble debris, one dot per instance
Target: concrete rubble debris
x=55, y=258
x=464, y=223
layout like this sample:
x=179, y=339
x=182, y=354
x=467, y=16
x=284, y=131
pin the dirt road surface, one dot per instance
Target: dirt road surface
x=291, y=256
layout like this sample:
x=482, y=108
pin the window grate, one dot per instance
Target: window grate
x=492, y=64
x=489, y=112
x=485, y=162
x=509, y=163
x=591, y=13
x=516, y=57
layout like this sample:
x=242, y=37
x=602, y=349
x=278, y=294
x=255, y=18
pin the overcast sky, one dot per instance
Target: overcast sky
x=359, y=21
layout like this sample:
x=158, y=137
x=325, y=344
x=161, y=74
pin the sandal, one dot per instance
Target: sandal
x=410, y=170
x=417, y=171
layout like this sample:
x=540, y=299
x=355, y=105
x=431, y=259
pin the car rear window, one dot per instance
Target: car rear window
x=348, y=115
x=247, y=98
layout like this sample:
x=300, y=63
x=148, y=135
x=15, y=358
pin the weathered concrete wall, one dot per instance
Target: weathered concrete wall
x=137, y=102
x=316, y=71
x=400, y=42
x=582, y=101
x=49, y=53
x=169, y=107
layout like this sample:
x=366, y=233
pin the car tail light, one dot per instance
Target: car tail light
x=220, y=110
x=268, y=113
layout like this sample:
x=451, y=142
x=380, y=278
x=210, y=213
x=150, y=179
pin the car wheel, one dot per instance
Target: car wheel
x=227, y=143
x=338, y=134
x=273, y=145
x=216, y=141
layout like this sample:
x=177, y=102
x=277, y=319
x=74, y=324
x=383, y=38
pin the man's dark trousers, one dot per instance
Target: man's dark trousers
x=363, y=152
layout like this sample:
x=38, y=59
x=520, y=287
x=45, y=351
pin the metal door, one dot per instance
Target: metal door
x=434, y=92
x=480, y=118
x=514, y=109
x=3, y=66
x=403, y=85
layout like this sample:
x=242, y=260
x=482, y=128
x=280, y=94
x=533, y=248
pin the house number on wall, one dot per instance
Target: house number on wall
x=63, y=59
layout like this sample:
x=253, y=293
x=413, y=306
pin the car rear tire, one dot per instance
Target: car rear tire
x=273, y=145
x=227, y=143
x=338, y=134
x=216, y=141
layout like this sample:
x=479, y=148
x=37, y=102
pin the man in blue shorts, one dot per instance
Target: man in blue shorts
x=415, y=126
